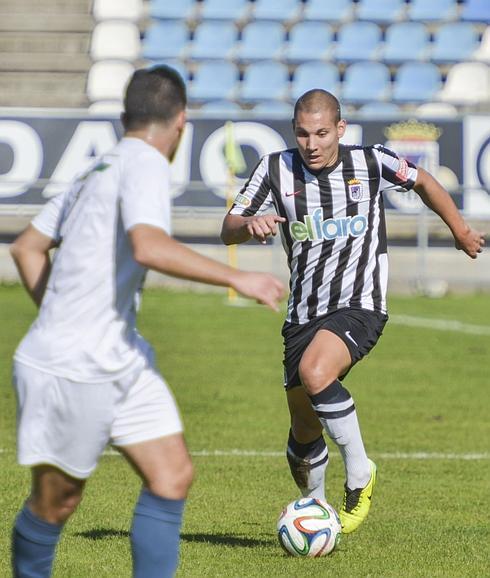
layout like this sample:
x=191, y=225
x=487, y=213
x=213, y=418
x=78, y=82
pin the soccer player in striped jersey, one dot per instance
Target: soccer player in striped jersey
x=84, y=376
x=328, y=206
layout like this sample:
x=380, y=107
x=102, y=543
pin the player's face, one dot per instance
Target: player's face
x=317, y=136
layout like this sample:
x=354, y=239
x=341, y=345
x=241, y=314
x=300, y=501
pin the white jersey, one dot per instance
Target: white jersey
x=85, y=330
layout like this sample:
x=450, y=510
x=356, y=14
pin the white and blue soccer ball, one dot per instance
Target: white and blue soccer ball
x=309, y=527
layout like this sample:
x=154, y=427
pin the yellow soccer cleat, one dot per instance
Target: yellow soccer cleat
x=356, y=504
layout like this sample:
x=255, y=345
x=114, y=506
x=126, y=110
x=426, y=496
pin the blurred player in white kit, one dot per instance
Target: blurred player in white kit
x=84, y=377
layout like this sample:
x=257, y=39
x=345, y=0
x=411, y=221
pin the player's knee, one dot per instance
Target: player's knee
x=316, y=377
x=174, y=485
x=56, y=511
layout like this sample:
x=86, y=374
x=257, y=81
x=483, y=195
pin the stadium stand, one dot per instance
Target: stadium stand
x=213, y=81
x=213, y=39
x=107, y=79
x=365, y=82
x=232, y=10
x=381, y=11
x=278, y=10
x=310, y=75
x=265, y=80
x=416, y=82
x=260, y=40
x=116, y=40
x=433, y=10
x=303, y=36
x=454, y=42
x=483, y=51
x=165, y=10
x=334, y=11
x=131, y=10
x=476, y=11
x=165, y=40
x=357, y=41
x=397, y=50
x=467, y=83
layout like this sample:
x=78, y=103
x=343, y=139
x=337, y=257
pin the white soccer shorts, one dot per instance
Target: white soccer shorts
x=68, y=424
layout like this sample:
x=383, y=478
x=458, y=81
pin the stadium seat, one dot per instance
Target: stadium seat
x=274, y=108
x=266, y=80
x=416, y=82
x=436, y=110
x=397, y=50
x=214, y=81
x=333, y=11
x=117, y=40
x=467, y=83
x=433, y=10
x=381, y=11
x=308, y=41
x=483, y=52
x=314, y=75
x=164, y=40
x=454, y=42
x=213, y=40
x=279, y=10
x=232, y=10
x=165, y=10
x=476, y=11
x=366, y=82
x=378, y=109
x=260, y=40
x=107, y=80
x=357, y=41
x=117, y=10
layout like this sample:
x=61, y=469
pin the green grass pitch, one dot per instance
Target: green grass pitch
x=422, y=398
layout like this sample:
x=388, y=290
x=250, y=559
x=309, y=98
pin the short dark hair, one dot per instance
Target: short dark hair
x=155, y=94
x=318, y=99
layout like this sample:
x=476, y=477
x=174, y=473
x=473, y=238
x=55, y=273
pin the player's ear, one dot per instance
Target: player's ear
x=341, y=126
x=181, y=120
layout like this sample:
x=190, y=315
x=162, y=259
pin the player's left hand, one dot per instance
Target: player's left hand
x=472, y=242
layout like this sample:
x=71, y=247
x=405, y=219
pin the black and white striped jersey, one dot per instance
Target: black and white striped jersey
x=335, y=233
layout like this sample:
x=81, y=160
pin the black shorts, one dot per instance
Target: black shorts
x=359, y=329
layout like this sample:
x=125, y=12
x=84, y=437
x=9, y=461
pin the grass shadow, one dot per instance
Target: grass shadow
x=102, y=534
x=226, y=540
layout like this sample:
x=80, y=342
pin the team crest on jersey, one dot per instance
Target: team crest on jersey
x=242, y=200
x=355, y=189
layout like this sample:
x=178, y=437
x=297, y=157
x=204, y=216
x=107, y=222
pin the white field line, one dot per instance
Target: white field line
x=272, y=454
x=440, y=324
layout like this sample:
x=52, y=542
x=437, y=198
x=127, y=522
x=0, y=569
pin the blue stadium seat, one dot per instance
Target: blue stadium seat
x=358, y=41
x=331, y=11
x=381, y=11
x=396, y=48
x=266, y=80
x=278, y=10
x=165, y=10
x=314, y=75
x=416, y=82
x=214, y=81
x=213, y=39
x=260, y=40
x=233, y=10
x=165, y=40
x=454, y=42
x=366, y=82
x=476, y=11
x=379, y=109
x=308, y=41
x=432, y=10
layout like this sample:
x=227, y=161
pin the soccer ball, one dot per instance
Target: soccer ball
x=308, y=527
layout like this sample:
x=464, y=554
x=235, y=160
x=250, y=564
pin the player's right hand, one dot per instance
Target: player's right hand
x=263, y=287
x=471, y=242
x=264, y=226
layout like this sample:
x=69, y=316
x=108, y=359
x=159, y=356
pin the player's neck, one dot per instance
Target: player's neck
x=156, y=136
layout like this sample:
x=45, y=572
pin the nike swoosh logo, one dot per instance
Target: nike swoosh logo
x=294, y=194
x=349, y=336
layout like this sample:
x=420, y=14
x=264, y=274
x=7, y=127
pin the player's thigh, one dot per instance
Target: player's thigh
x=164, y=465
x=147, y=429
x=54, y=494
x=325, y=359
x=304, y=422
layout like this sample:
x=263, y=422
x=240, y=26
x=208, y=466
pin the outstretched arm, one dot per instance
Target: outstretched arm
x=154, y=249
x=435, y=196
x=30, y=251
x=237, y=229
